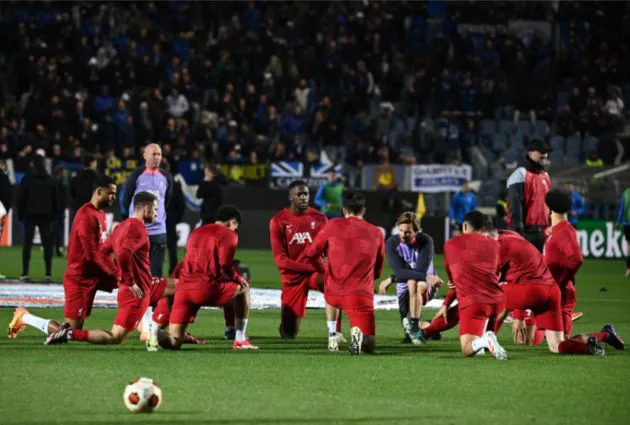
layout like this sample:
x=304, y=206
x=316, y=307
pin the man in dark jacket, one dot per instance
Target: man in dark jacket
x=83, y=183
x=210, y=191
x=6, y=196
x=174, y=215
x=39, y=204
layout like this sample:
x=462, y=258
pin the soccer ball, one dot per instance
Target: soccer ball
x=142, y=395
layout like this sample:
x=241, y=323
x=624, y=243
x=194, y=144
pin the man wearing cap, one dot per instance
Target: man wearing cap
x=527, y=187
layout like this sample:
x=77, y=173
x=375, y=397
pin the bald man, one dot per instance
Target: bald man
x=153, y=179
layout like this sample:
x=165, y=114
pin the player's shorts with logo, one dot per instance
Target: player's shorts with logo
x=476, y=318
x=130, y=308
x=359, y=309
x=568, y=300
x=79, y=295
x=188, y=301
x=294, y=296
x=542, y=299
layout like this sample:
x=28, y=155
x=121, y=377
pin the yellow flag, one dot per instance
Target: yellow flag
x=421, y=209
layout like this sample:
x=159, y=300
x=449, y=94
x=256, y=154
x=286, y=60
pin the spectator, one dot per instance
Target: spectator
x=39, y=204
x=462, y=203
x=174, y=216
x=6, y=196
x=83, y=183
x=152, y=178
x=577, y=204
x=211, y=193
x=329, y=195
x=384, y=177
x=59, y=173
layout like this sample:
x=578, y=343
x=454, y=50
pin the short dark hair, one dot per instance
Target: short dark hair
x=354, y=202
x=142, y=199
x=103, y=180
x=87, y=159
x=476, y=219
x=489, y=227
x=558, y=201
x=227, y=213
x=297, y=183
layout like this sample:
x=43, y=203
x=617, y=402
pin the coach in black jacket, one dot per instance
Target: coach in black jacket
x=83, y=183
x=39, y=204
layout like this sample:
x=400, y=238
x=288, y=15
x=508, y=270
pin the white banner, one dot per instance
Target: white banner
x=439, y=178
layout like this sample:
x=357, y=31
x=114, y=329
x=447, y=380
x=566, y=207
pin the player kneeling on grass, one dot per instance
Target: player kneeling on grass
x=472, y=261
x=208, y=278
x=356, y=251
x=410, y=255
x=130, y=244
x=87, y=270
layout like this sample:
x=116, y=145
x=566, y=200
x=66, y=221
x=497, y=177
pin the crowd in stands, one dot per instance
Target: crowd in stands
x=368, y=82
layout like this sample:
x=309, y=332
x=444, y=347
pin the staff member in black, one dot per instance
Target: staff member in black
x=39, y=204
x=83, y=183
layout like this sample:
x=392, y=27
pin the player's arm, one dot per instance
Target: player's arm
x=91, y=250
x=132, y=241
x=227, y=249
x=398, y=265
x=318, y=247
x=380, y=256
x=516, y=194
x=280, y=252
x=556, y=259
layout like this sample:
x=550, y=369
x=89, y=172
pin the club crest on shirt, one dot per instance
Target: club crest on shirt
x=313, y=225
x=103, y=236
x=300, y=238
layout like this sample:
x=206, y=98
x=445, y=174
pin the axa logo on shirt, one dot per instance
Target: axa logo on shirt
x=300, y=238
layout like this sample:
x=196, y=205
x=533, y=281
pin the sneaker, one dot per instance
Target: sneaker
x=576, y=316
x=494, y=347
x=16, y=326
x=613, y=339
x=406, y=324
x=417, y=336
x=151, y=342
x=230, y=334
x=2, y=276
x=47, y=279
x=24, y=279
x=333, y=342
x=244, y=345
x=594, y=348
x=62, y=336
x=191, y=339
x=356, y=341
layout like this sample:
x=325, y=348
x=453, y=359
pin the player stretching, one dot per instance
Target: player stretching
x=87, y=271
x=208, y=278
x=292, y=231
x=356, y=252
x=472, y=261
x=130, y=244
x=410, y=255
x=530, y=286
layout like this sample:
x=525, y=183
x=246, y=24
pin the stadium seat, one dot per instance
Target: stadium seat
x=499, y=143
x=557, y=143
x=524, y=128
x=488, y=127
x=557, y=157
x=589, y=145
x=541, y=129
x=517, y=141
x=505, y=127
x=510, y=156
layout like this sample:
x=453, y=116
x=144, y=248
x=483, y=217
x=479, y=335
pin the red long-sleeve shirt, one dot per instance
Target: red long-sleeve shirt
x=291, y=234
x=209, y=257
x=356, y=253
x=130, y=244
x=472, y=264
x=524, y=263
x=86, y=265
x=562, y=253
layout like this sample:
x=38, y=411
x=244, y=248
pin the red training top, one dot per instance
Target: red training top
x=562, y=253
x=525, y=263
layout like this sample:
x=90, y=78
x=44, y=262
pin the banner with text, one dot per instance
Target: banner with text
x=600, y=239
x=439, y=178
x=285, y=172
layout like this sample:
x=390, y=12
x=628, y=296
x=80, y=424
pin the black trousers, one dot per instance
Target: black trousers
x=536, y=235
x=58, y=233
x=171, y=246
x=158, y=248
x=44, y=224
x=626, y=234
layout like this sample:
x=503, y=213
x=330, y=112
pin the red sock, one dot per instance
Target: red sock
x=539, y=336
x=161, y=314
x=80, y=335
x=573, y=346
x=601, y=336
x=338, y=328
x=228, y=315
x=440, y=325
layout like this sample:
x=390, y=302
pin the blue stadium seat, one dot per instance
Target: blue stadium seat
x=505, y=127
x=517, y=141
x=589, y=145
x=488, y=127
x=557, y=156
x=574, y=144
x=541, y=129
x=499, y=143
x=572, y=158
x=557, y=143
x=524, y=128
x=510, y=156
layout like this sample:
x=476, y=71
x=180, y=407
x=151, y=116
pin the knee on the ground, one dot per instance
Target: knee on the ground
x=369, y=344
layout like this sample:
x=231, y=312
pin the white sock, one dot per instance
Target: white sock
x=147, y=319
x=332, y=327
x=480, y=343
x=36, y=322
x=155, y=327
x=241, y=327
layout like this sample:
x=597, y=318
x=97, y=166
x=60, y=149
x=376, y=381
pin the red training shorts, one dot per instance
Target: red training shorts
x=130, y=308
x=360, y=311
x=157, y=291
x=294, y=296
x=543, y=300
x=78, y=299
x=568, y=301
x=188, y=301
x=475, y=319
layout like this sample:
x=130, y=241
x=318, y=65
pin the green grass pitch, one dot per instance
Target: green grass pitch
x=299, y=382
